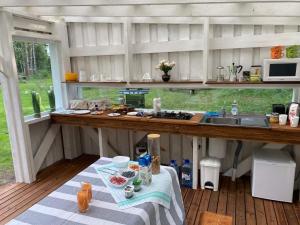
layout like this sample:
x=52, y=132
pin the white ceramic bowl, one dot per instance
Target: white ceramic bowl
x=128, y=170
x=120, y=161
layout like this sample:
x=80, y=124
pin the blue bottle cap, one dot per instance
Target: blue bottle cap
x=186, y=161
x=173, y=161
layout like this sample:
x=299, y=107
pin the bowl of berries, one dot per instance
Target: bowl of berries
x=128, y=173
x=117, y=181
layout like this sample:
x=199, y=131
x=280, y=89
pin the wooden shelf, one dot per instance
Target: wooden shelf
x=248, y=84
x=187, y=84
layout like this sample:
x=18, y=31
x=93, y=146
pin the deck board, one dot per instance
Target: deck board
x=233, y=198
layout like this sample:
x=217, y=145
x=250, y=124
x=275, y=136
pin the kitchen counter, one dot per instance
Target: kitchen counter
x=274, y=133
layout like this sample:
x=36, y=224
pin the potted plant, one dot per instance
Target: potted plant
x=36, y=103
x=51, y=98
x=165, y=66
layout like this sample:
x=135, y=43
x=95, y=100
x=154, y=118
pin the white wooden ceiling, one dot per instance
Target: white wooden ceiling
x=155, y=8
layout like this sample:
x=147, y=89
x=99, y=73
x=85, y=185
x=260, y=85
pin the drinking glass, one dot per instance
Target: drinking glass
x=82, y=201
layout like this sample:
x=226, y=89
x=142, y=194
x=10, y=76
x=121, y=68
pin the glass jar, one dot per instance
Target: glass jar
x=154, y=151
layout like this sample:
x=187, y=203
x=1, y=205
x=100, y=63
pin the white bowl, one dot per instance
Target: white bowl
x=120, y=161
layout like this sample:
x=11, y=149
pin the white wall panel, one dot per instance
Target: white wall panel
x=188, y=58
x=245, y=56
x=97, y=34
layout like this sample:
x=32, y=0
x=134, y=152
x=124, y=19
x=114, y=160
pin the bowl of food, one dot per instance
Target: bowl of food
x=117, y=181
x=120, y=161
x=128, y=173
x=134, y=166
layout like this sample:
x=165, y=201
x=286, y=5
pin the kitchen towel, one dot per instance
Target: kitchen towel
x=159, y=191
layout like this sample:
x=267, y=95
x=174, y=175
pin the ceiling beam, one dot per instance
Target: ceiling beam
x=53, y=3
x=191, y=10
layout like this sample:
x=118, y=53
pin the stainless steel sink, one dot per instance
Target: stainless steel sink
x=222, y=120
x=245, y=121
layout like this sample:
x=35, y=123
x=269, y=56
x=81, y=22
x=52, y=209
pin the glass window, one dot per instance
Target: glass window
x=249, y=100
x=34, y=71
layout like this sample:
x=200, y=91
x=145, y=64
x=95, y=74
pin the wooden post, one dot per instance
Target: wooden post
x=22, y=154
x=195, y=162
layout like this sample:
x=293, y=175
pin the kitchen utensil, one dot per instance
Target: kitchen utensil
x=294, y=121
x=220, y=77
x=278, y=108
x=277, y=52
x=256, y=70
x=82, y=76
x=233, y=71
x=95, y=78
x=120, y=161
x=282, y=119
x=246, y=75
x=292, y=51
x=274, y=118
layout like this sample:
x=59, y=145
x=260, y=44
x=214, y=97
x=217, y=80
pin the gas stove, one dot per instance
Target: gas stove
x=173, y=115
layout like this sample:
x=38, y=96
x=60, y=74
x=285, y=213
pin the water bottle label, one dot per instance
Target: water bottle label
x=186, y=177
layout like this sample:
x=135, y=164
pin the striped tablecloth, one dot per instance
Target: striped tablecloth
x=60, y=207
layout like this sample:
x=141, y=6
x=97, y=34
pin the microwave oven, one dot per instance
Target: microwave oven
x=281, y=70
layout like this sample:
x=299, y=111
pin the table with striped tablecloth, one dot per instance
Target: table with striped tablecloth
x=60, y=207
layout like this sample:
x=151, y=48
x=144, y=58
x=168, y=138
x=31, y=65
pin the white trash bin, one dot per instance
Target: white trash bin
x=210, y=171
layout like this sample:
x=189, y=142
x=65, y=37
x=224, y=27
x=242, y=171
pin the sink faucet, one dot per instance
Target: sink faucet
x=223, y=112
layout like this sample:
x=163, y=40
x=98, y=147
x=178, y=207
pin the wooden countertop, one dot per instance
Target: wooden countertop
x=275, y=133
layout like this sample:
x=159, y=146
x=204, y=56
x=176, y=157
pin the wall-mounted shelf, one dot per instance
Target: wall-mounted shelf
x=248, y=84
x=188, y=84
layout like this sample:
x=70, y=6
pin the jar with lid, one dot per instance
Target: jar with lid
x=145, y=173
x=154, y=150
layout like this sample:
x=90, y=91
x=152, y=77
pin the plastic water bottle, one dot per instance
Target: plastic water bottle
x=173, y=164
x=234, y=108
x=186, y=174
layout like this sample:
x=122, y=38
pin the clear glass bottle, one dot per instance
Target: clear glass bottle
x=154, y=150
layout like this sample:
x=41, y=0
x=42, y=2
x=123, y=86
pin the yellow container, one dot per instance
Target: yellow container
x=69, y=76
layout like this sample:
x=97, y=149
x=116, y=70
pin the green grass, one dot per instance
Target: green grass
x=249, y=100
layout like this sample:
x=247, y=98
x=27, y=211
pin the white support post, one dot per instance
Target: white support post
x=127, y=31
x=22, y=154
x=61, y=63
x=205, y=48
x=195, y=162
x=131, y=143
x=296, y=95
x=102, y=150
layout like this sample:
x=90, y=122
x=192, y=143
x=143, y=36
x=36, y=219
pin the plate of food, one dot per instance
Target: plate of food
x=117, y=181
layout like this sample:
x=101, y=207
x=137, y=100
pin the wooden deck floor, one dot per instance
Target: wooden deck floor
x=233, y=199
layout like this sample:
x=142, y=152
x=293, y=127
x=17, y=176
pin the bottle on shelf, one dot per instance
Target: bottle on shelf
x=234, y=108
x=186, y=174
